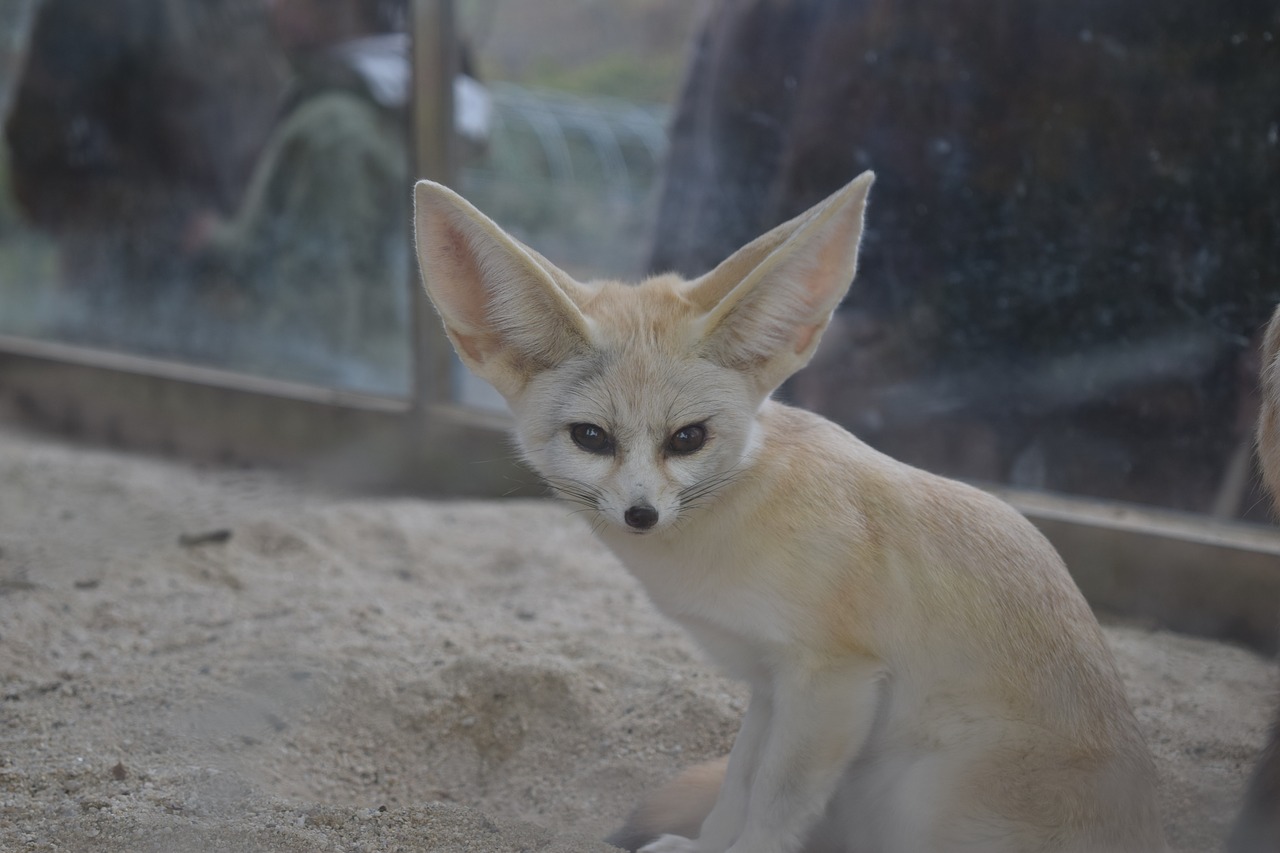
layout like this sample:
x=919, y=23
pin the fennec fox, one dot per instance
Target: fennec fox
x=1257, y=830
x=924, y=674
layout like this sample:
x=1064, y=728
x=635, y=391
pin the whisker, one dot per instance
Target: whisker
x=576, y=491
x=711, y=483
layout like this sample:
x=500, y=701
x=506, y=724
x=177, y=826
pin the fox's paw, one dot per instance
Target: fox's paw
x=671, y=844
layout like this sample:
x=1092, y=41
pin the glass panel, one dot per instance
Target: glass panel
x=215, y=181
x=1071, y=244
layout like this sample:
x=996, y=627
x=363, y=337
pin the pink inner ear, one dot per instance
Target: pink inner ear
x=806, y=336
x=461, y=276
x=459, y=285
x=472, y=346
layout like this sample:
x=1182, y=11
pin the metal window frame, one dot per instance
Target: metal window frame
x=1189, y=573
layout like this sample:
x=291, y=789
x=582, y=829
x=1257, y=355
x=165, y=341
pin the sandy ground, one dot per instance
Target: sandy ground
x=337, y=674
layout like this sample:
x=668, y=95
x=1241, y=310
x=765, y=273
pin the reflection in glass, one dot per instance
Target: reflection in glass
x=216, y=181
x=1071, y=243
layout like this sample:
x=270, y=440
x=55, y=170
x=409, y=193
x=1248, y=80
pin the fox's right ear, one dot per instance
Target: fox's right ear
x=509, y=312
x=766, y=306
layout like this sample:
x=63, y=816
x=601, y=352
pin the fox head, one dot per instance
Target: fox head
x=637, y=401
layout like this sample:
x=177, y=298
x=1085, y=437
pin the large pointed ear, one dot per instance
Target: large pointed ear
x=767, y=304
x=509, y=311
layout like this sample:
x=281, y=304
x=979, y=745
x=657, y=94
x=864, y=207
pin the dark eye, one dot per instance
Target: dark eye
x=687, y=439
x=591, y=438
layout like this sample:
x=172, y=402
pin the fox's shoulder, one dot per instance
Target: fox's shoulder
x=963, y=553
x=803, y=446
x=815, y=461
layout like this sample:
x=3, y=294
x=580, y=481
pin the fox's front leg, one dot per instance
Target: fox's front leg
x=814, y=724
x=821, y=719
x=723, y=824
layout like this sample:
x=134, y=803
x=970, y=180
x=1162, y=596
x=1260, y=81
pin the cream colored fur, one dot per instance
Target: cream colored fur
x=924, y=674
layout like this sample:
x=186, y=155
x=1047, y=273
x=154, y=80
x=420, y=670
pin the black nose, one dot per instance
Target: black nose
x=641, y=517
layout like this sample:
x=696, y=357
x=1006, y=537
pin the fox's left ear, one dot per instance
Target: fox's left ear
x=509, y=312
x=767, y=304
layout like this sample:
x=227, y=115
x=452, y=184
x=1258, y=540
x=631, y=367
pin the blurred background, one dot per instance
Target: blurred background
x=1069, y=254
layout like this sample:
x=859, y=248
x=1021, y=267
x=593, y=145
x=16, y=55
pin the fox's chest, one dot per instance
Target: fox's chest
x=739, y=621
